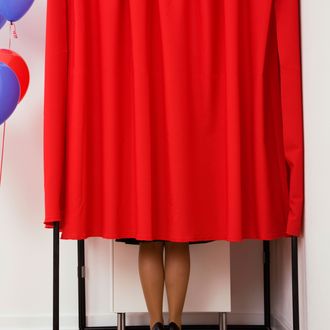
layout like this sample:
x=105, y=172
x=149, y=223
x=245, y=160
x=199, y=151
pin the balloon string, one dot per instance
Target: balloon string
x=4, y=124
x=12, y=34
x=9, y=44
x=3, y=149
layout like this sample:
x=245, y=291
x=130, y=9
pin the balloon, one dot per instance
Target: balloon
x=2, y=21
x=13, y=10
x=9, y=92
x=18, y=65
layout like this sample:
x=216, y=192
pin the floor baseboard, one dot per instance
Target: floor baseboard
x=190, y=327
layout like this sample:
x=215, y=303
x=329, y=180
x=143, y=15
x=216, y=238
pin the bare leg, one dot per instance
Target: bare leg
x=177, y=270
x=151, y=271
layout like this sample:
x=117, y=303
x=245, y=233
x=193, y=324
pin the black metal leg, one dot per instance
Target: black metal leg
x=56, y=276
x=266, y=246
x=295, y=288
x=81, y=285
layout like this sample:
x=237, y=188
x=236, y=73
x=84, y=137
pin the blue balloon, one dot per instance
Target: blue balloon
x=9, y=92
x=2, y=21
x=13, y=10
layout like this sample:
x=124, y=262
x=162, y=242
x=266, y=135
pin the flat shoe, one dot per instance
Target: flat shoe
x=173, y=326
x=158, y=326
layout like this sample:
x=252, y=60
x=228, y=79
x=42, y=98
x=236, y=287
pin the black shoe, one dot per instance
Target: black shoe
x=173, y=326
x=158, y=326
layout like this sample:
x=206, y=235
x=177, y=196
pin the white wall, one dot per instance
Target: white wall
x=316, y=76
x=26, y=247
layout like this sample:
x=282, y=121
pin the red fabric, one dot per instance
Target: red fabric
x=178, y=120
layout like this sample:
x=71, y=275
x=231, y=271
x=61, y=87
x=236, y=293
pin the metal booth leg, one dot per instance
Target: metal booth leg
x=295, y=288
x=266, y=254
x=222, y=321
x=120, y=321
x=81, y=285
x=56, y=276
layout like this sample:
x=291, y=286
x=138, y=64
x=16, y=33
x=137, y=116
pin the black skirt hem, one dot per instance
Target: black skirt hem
x=131, y=240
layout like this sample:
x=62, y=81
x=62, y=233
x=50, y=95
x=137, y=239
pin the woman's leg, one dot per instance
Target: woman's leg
x=177, y=270
x=151, y=271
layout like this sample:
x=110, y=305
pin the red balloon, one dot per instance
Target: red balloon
x=18, y=65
